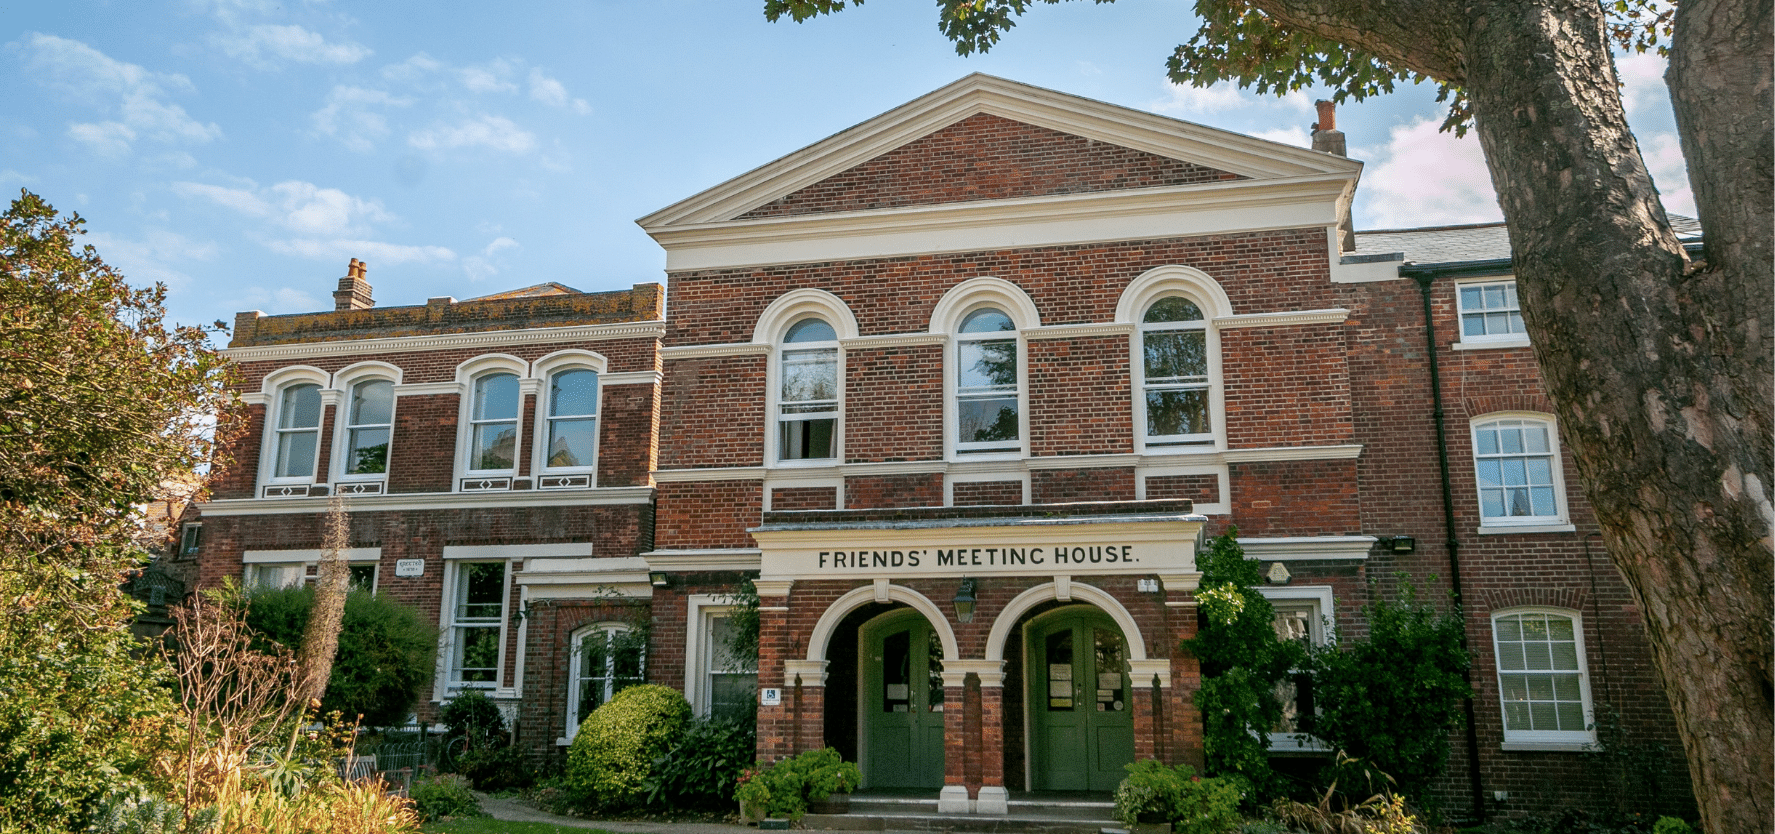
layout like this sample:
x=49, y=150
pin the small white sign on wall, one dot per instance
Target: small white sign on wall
x=409, y=567
x=770, y=697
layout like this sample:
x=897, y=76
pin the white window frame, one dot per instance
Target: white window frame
x=961, y=301
x=784, y=352
x=1560, y=520
x=1146, y=387
x=544, y=371
x=291, y=575
x=468, y=375
x=346, y=381
x=272, y=389
x=1141, y=293
x=190, y=539
x=699, y=649
x=1486, y=340
x=306, y=560
x=1546, y=740
x=1318, y=600
x=449, y=681
x=575, y=668
x=773, y=325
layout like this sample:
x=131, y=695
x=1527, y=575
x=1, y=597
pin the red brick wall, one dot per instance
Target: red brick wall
x=712, y=412
x=985, y=493
x=1080, y=400
x=705, y=514
x=893, y=406
x=239, y=475
x=1286, y=386
x=804, y=498
x=422, y=453
x=1295, y=498
x=627, y=444
x=1059, y=486
x=1202, y=489
x=871, y=491
x=987, y=157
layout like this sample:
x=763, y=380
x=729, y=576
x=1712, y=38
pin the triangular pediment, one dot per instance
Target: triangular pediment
x=986, y=138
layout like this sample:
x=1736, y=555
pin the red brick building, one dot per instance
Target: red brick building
x=962, y=387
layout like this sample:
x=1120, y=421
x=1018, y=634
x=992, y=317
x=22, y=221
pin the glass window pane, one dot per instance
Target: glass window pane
x=1472, y=325
x=811, y=330
x=1565, y=688
x=295, y=454
x=1491, y=503
x=1543, y=715
x=1470, y=298
x=1559, y=628
x=1491, y=473
x=1516, y=323
x=987, y=321
x=1176, y=354
x=1510, y=656
x=1571, y=716
x=571, y=442
x=1509, y=628
x=1540, y=470
x=1516, y=715
x=482, y=590
x=300, y=408
x=495, y=446
x=573, y=393
x=1537, y=656
x=987, y=420
x=733, y=697
x=1494, y=296
x=477, y=654
x=987, y=364
x=812, y=375
x=1534, y=627
x=372, y=403
x=368, y=453
x=1540, y=687
x=1486, y=441
x=805, y=439
x=496, y=397
x=363, y=577
x=1176, y=412
x=1173, y=308
x=1565, y=655
x=1542, y=501
x=1515, y=471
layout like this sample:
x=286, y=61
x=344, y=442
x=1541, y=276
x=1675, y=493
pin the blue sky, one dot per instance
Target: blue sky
x=242, y=151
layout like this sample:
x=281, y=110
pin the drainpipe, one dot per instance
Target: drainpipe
x=1453, y=543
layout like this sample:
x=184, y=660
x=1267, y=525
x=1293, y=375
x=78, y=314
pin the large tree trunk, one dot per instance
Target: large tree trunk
x=1660, y=371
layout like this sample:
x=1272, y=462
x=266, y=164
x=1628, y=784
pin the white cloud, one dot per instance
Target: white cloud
x=494, y=132
x=553, y=93
x=133, y=97
x=1187, y=102
x=1642, y=81
x=280, y=300
x=373, y=251
x=266, y=45
x=1663, y=154
x=300, y=207
x=1296, y=136
x=155, y=257
x=1424, y=177
x=483, y=266
x=413, y=69
x=489, y=77
x=350, y=116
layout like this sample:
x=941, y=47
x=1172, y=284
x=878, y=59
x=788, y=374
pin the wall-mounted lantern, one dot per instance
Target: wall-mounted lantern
x=964, y=601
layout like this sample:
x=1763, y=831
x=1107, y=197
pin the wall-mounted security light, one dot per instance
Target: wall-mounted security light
x=659, y=579
x=964, y=601
x=1402, y=544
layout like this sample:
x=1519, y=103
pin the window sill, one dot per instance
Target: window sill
x=1507, y=530
x=1547, y=746
x=1488, y=344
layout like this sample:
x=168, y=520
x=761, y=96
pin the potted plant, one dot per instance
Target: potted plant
x=786, y=789
x=754, y=796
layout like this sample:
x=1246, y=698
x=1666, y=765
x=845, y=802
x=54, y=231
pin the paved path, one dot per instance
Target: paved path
x=521, y=810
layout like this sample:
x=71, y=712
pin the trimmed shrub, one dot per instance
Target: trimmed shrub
x=387, y=651
x=1155, y=793
x=444, y=795
x=612, y=758
x=704, y=764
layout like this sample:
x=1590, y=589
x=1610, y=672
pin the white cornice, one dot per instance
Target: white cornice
x=708, y=351
x=254, y=398
x=351, y=554
x=723, y=473
x=892, y=340
x=1276, y=454
x=477, y=339
x=780, y=475
x=738, y=558
x=1307, y=547
x=1083, y=461
x=1079, y=331
x=632, y=378
x=1096, y=217
x=433, y=501
x=1336, y=315
x=427, y=389
x=977, y=94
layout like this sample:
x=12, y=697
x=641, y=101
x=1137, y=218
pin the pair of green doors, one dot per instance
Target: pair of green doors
x=1081, y=730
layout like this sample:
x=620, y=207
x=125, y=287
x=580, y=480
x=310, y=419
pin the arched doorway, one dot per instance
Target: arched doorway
x=1078, y=705
x=900, y=701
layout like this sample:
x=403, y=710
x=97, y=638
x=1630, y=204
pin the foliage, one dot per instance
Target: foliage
x=101, y=403
x=1671, y=825
x=472, y=715
x=1242, y=660
x=612, y=757
x=743, y=617
x=495, y=768
x=1156, y=793
x=1390, y=699
x=785, y=788
x=1381, y=813
x=703, y=766
x=386, y=656
x=442, y=796
x=1578, y=821
x=488, y=825
x=1634, y=770
x=143, y=812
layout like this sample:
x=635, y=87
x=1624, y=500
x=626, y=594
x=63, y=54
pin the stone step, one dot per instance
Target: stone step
x=970, y=823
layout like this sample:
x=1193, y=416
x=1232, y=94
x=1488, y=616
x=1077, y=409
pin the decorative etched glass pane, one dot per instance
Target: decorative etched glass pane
x=1175, y=412
x=1176, y=355
x=300, y=408
x=573, y=394
x=810, y=330
x=987, y=321
x=372, y=403
x=987, y=364
x=496, y=397
x=495, y=446
x=933, y=672
x=1173, y=308
x=987, y=420
x=571, y=442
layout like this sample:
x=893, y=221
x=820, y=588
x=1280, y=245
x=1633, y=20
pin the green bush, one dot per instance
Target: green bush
x=785, y=788
x=471, y=714
x=704, y=765
x=1671, y=825
x=495, y=768
x=611, y=759
x=444, y=795
x=1155, y=793
x=387, y=651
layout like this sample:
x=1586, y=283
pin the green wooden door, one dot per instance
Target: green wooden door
x=902, y=702
x=1081, y=720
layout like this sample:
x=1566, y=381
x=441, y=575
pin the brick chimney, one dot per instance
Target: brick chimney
x=354, y=289
x=1328, y=139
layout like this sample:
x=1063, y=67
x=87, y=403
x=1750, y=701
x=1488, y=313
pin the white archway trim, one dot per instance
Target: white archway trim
x=964, y=297
x=572, y=357
x=859, y=597
x=1022, y=603
x=468, y=370
x=281, y=377
x=792, y=305
x=344, y=377
x=1172, y=279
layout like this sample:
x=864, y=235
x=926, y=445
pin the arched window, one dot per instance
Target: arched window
x=607, y=658
x=369, y=421
x=493, y=431
x=807, y=398
x=572, y=419
x=298, y=432
x=1516, y=460
x=986, y=391
x=1542, y=683
x=1174, y=372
